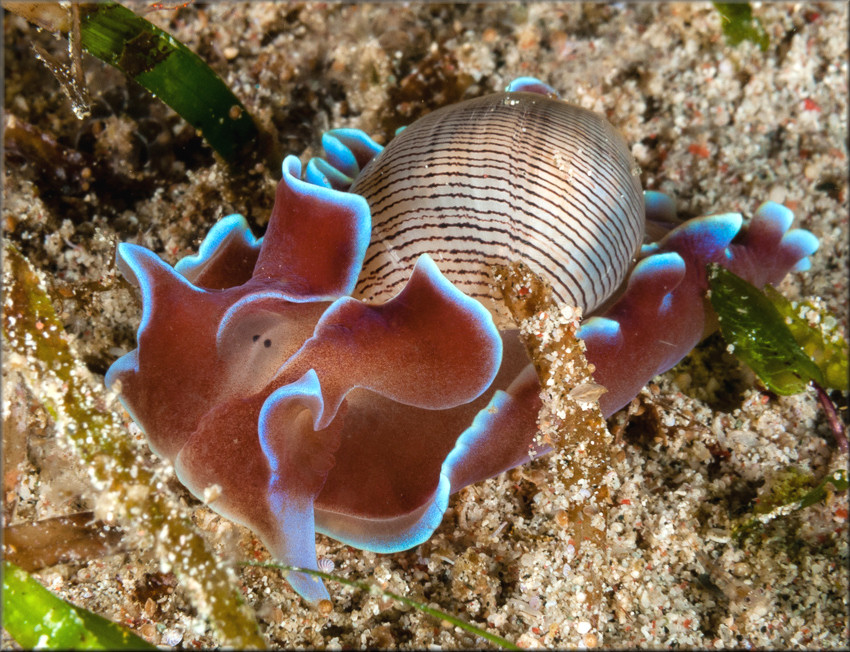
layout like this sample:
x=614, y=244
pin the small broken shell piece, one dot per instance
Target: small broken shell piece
x=587, y=392
x=212, y=493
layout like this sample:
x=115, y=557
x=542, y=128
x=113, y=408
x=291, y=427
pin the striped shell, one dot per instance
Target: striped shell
x=500, y=178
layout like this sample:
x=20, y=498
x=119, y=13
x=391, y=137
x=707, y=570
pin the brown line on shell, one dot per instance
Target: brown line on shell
x=501, y=178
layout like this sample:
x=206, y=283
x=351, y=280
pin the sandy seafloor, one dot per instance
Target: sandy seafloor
x=719, y=128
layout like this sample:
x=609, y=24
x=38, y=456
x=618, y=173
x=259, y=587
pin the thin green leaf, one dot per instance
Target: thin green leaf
x=818, y=333
x=98, y=437
x=36, y=618
x=757, y=334
x=739, y=24
x=790, y=491
x=424, y=608
x=171, y=72
x=837, y=478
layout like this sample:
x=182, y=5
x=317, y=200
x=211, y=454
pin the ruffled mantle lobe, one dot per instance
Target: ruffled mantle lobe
x=311, y=410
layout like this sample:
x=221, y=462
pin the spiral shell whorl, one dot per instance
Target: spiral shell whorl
x=505, y=177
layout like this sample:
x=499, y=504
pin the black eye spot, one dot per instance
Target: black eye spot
x=256, y=337
x=267, y=343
